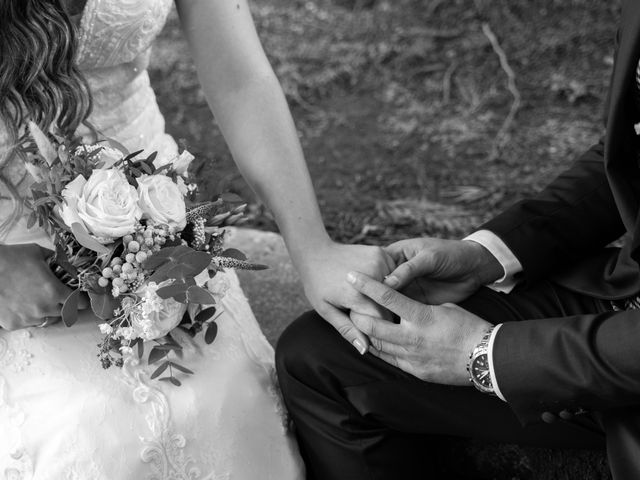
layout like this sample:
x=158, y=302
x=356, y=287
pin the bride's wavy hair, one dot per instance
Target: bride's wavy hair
x=39, y=80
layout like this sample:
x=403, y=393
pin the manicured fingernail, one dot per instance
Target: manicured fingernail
x=392, y=281
x=360, y=346
x=351, y=277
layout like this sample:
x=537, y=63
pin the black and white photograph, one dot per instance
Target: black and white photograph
x=319, y=239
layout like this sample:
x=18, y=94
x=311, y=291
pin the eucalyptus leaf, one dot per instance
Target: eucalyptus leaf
x=103, y=305
x=211, y=333
x=70, y=308
x=181, y=368
x=151, y=157
x=172, y=290
x=132, y=155
x=166, y=255
x=157, y=354
x=32, y=220
x=205, y=314
x=160, y=370
x=172, y=380
x=200, y=295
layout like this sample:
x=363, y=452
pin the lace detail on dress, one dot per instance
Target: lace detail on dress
x=18, y=465
x=163, y=450
x=113, y=32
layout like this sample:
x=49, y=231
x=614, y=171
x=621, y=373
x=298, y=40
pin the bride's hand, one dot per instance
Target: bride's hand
x=29, y=291
x=324, y=272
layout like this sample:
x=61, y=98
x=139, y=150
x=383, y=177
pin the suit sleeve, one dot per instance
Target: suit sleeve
x=573, y=216
x=578, y=363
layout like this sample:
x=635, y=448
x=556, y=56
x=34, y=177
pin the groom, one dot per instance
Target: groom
x=552, y=347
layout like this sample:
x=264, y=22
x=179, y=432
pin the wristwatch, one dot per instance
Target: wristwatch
x=478, y=366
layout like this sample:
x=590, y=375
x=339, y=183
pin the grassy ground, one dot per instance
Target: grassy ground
x=399, y=104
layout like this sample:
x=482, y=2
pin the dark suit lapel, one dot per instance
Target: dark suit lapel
x=620, y=143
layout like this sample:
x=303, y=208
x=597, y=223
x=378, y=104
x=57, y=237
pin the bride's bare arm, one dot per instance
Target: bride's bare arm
x=252, y=112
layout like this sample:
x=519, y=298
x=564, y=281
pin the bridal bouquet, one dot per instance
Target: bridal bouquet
x=128, y=233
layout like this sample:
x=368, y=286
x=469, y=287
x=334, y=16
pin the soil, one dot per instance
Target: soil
x=399, y=105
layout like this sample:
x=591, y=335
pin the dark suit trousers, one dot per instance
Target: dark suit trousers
x=358, y=417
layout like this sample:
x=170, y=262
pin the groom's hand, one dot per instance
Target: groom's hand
x=432, y=343
x=444, y=270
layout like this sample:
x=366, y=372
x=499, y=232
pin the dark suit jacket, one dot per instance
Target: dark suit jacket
x=587, y=362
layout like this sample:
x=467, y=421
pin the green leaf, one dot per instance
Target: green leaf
x=195, y=262
x=144, y=166
x=32, y=220
x=140, y=348
x=160, y=370
x=205, y=314
x=70, y=308
x=151, y=157
x=166, y=255
x=103, y=305
x=86, y=240
x=181, y=368
x=157, y=354
x=177, y=288
x=211, y=333
x=132, y=155
x=173, y=380
x=200, y=295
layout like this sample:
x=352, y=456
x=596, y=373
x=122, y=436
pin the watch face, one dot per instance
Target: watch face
x=480, y=371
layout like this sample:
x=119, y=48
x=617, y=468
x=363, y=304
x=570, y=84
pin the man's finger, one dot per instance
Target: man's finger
x=384, y=295
x=396, y=251
x=341, y=322
x=395, y=350
x=390, y=359
x=404, y=273
x=379, y=328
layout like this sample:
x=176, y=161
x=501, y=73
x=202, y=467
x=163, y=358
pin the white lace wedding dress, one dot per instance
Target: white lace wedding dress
x=62, y=417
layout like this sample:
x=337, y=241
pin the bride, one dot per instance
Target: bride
x=61, y=415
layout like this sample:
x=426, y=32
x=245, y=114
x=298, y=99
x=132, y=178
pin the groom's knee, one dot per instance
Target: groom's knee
x=300, y=346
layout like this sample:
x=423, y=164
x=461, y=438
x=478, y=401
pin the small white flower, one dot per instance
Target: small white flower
x=125, y=332
x=125, y=350
x=105, y=329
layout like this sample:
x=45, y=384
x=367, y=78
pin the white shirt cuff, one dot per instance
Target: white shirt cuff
x=492, y=371
x=505, y=257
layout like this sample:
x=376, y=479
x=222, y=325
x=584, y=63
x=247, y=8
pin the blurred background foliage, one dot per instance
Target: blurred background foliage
x=399, y=104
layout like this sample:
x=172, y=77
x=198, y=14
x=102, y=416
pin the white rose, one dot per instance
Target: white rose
x=161, y=201
x=105, y=204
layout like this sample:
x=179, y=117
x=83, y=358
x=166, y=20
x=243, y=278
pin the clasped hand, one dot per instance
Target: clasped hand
x=430, y=342
x=434, y=338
